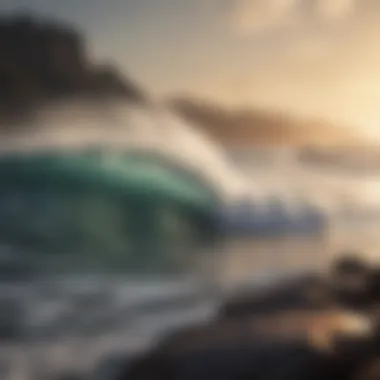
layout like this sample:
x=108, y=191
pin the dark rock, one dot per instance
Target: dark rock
x=247, y=340
x=70, y=376
x=262, y=359
x=351, y=283
x=42, y=61
x=304, y=293
x=350, y=279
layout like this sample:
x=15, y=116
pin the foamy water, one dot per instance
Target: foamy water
x=119, y=127
x=234, y=172
x=75, y=323
x=125, y=315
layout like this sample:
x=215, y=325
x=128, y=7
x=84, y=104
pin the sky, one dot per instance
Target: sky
x=318, y=58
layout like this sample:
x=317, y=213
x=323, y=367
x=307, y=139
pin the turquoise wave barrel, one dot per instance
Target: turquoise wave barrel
x=93, y=210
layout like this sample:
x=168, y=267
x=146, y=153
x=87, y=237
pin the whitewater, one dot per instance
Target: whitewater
x=122, y=314
x=256, y=173
x=254, y=176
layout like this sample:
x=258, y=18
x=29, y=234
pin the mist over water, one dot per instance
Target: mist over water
x=138, y=310
x=343, y=187
x=257, y=172
x=120, y=126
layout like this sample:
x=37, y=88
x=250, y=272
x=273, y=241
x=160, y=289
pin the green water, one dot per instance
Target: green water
x=103, y=211
x=89, y=232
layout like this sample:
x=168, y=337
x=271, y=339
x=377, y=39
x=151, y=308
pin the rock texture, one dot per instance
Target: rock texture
x=42, y=61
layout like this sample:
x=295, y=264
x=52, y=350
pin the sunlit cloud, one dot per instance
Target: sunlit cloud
x=334, y=10
x=249, y=16
x=310, y=58
x=256, y=15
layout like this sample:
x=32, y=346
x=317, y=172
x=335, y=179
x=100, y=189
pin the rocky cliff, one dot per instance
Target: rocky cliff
x=43, y=61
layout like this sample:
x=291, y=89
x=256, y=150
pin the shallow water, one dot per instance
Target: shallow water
x=73, y=322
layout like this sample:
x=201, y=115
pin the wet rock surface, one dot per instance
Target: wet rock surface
x=294, y=332
x=310, y=327
x=44, y=60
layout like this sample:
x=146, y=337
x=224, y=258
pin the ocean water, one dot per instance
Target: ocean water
x=58, y=324
x=72, y=323
x=52, y=325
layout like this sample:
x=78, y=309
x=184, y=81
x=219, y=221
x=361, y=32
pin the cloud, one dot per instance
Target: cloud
x=255, y=15
x=314, y=58
x=334, y=10
x=251, y=16
x=308, y=48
